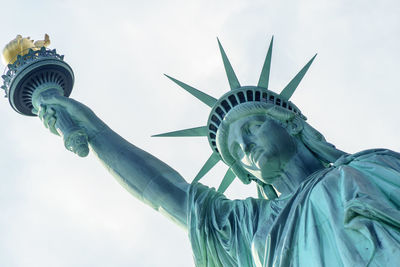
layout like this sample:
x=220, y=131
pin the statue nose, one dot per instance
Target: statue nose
x=245, y=142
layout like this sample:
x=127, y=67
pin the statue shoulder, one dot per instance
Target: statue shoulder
x=376, y=154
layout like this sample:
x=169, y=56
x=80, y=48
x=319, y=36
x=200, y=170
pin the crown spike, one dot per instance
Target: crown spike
x=203, y=97
x=197, y=131
x=264, y=77
x=210, y=163
x=226, y=182
x=288, y=91
x=230, y=73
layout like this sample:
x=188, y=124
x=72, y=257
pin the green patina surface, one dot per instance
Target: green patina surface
x=317, y=205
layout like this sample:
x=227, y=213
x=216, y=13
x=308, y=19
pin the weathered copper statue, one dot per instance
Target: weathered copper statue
x=317, y=205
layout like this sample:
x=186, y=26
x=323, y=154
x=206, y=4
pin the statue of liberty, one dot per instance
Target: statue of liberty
x=316, y=205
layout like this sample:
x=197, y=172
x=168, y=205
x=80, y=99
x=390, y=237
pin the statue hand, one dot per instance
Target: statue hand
x=80, y=114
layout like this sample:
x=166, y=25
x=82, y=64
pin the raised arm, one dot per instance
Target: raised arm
x=143, y=175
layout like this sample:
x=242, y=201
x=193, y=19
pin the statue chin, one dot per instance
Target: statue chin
x=265, y=175
x=270, y=178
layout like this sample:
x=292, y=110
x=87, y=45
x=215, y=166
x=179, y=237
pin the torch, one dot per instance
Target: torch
x=34, y=70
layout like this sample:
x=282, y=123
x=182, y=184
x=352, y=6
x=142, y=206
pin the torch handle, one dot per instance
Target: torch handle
x=75, y=138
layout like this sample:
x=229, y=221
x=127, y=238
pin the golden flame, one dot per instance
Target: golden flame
x=20, y=46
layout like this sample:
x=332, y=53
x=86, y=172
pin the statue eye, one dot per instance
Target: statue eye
x=254, y=128
x=251, y=129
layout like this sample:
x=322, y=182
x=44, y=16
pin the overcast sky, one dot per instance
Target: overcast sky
x=60, y=210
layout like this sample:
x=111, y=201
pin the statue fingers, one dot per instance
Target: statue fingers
x=47, y=116
x=41, y=112
x=78, y=112
x=72, y=106
x=51, y=124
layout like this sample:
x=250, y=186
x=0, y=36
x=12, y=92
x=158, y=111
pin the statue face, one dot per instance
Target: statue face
x=262, y=145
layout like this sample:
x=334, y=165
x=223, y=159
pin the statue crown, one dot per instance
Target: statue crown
x=229, y=101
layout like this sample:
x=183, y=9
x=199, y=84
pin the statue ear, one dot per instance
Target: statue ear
x=295, y=126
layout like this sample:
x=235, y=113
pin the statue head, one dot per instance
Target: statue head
x=256, y=131
x=258, y=139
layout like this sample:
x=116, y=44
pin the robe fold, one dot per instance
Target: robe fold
x=344, y=215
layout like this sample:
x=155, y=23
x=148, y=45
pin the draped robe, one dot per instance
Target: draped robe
x=345, y=215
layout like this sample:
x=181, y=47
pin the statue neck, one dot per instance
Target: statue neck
x=296, y=171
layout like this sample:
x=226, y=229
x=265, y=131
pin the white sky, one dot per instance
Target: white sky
x=60, y=210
